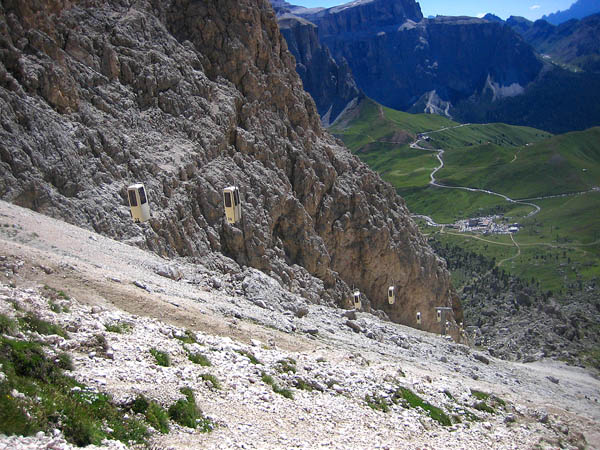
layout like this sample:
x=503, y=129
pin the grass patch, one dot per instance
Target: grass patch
x=64, y=361
x=54, y=294
x=479, y=395
x=187, y=338
x=303, y=385
x=483, y=406
x=286, y=365
x=199, y=358
x=377, y=403
x=409, y=399
x=7, y=325
x=162, y=358
x=185, y=412
x=250, y=356
x=52, y=400
x=157, y=417
x=212, y=380
x=118, y=327
x=33, y=323
x=268, y=379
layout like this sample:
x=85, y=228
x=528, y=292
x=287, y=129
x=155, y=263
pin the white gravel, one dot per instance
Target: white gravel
x=99, y=275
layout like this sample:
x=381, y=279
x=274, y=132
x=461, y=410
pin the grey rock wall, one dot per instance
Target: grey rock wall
x=189, y=97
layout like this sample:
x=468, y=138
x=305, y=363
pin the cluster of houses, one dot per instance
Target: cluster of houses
x=485, y=225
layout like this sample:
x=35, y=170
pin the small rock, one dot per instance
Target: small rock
x=311, y=331
x=510, y=418
x=350, y=314
x=553, y=379
x=481, y=358
x=355, y=327
x=301, y=312
x=141, y=285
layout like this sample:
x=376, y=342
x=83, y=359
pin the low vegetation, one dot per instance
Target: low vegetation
x=37, y=396
x=377, y=403
x=118, y=327
x=409, y=399
x=161, y=358
x=199, y=358
x=32, y=322
x=250, y=356
x=188, y=337
x=211, y=380
x=268, y=379
x=186, y=413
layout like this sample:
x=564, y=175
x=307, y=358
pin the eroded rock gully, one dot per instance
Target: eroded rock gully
x=189, y=97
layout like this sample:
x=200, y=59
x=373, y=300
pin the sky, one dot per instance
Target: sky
x=531, y=9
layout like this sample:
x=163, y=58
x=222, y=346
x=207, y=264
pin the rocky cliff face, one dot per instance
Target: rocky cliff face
x=574, y=42
x=404, y=61
x=363, y=15
x=330, y=84
x=189, y=97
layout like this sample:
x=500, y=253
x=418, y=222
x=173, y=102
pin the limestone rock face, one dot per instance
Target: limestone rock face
x=330, y=83
x=398, y=58
x=189, y=97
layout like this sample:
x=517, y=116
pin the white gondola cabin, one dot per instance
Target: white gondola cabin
x=138, y=202
x=233, y=205
x=357, y=302
x=418, y=318
x=391, y=295
x=439, y=315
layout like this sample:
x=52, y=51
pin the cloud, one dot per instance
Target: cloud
x=534, y=7
x=480, y=15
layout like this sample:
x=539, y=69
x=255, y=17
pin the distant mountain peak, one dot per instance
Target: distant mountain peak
x=578, y=10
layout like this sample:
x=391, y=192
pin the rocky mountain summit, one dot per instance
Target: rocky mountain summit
x=190, y=97
x=573, y=42
x=473, y=70
x=404, y=61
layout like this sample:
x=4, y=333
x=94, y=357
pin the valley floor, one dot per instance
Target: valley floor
x=345, y=359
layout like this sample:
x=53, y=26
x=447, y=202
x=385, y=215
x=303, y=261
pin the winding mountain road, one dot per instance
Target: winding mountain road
x=439, y=153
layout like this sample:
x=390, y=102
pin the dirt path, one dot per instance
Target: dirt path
x=99, y=271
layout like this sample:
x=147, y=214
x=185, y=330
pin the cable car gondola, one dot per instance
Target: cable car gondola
x=233, y=205
x=357, y=302
x=138, y=203
x=391, y=295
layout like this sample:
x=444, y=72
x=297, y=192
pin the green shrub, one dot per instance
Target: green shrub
x=212, y=380
x=268, y=379
x=482, y=406
x=118, y=327
x=53, y=400
x=65, y=361
x=409, y=399
x=188, y=337
x=303, y=385
x=480, y=395
x=186, y=413
x=286, y=365
x=55, y=308
x=157, y=417
x=140, y=404
x=249, y=355
x=199, y=358
x=376, y=403
x=8, y=325
x=27, y=359
x=162, y=358
x=32, y=322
